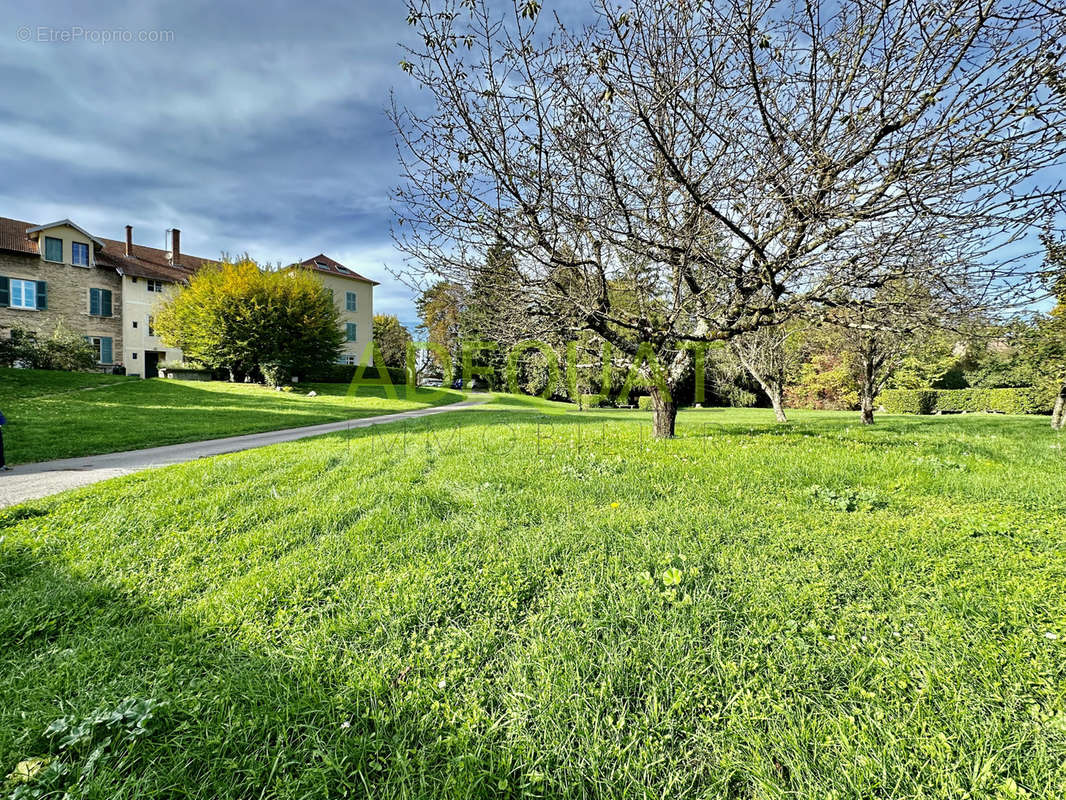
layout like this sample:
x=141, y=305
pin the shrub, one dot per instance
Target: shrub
x=909, y=401
x=741, y=398
x=824, y=382
x=63, y=350
x=594, y=401
x=644, y=403
x=1019, y=400
x=275, y=374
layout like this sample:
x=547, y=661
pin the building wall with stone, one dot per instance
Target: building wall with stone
x=67, y=290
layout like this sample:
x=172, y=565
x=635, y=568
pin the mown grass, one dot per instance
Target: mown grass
x=48, y=418
x=20, y=384
x=532, y=603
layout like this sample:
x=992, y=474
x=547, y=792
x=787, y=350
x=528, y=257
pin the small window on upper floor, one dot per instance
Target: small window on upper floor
x=155, y=286
x=79, y=254
x=53, y=249
x=350, y=300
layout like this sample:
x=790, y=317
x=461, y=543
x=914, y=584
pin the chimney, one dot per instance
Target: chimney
x=175, y=246
x=129, y=240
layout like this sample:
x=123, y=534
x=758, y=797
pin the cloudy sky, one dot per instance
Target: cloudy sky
x=253, y=127
x=257, y=127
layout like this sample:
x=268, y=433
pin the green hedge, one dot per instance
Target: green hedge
x=1024, y=400
x=595, y=401
x=644, y=403
x=909, y=401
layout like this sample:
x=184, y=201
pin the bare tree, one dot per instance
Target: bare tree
x=766, y=356
x=734, y=163
x=1049, y=341
x=875, y=355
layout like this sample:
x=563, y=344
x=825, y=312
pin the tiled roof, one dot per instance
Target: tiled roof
x=149, y=262
x=13, y=236
x=323, y=263
x=146, y=262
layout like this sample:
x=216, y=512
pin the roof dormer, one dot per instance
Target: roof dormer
x=63, y=242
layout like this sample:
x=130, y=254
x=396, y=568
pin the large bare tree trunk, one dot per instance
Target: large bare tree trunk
x=777, y=401
x=867, y=405
x=664, y=414
x=773, y=384
x=1058, y=416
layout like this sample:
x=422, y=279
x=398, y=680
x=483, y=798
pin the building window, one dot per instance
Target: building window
x=53, y=249
x=155, y=286
x=24, y=293
x=100, y=302
x=349, y=360
x=79, y=254
x=151, y=326
x=135, y=324
x=134, y=356
x=349, y=300
x=102, y=345
x=350, y=331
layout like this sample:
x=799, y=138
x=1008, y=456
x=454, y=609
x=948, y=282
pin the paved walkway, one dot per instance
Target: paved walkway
x=33, y=481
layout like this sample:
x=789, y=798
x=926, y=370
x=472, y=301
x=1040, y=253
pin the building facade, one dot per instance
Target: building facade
x=353, y=295
x=106, y=290
x=54, y=274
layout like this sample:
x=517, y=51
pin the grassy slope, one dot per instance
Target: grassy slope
x=132, y=414
x=19, y=384
x=482, y=611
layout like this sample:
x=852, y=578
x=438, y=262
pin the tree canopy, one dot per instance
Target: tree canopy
x=247, y=320
x=391, y=338
x=736, y=163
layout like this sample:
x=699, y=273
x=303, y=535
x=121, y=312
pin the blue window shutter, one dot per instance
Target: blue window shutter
x=42, y=296
x=105, y=303
x=94, y=302
x=105, y=350
x=5, y=292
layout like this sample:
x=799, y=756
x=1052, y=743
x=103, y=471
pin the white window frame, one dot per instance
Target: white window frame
x=74, y=247
x=98, y=343
x=23, y=294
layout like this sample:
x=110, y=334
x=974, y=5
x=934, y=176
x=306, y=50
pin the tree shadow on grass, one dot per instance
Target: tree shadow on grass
x=233, y=722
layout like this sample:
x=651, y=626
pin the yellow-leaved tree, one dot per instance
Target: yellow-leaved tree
x=252, y=322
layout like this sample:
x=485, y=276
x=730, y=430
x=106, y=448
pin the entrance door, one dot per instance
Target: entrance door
x=151, y=364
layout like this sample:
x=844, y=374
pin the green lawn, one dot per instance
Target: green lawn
x=49, y=418
x=21, y=384
x=523, y=602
